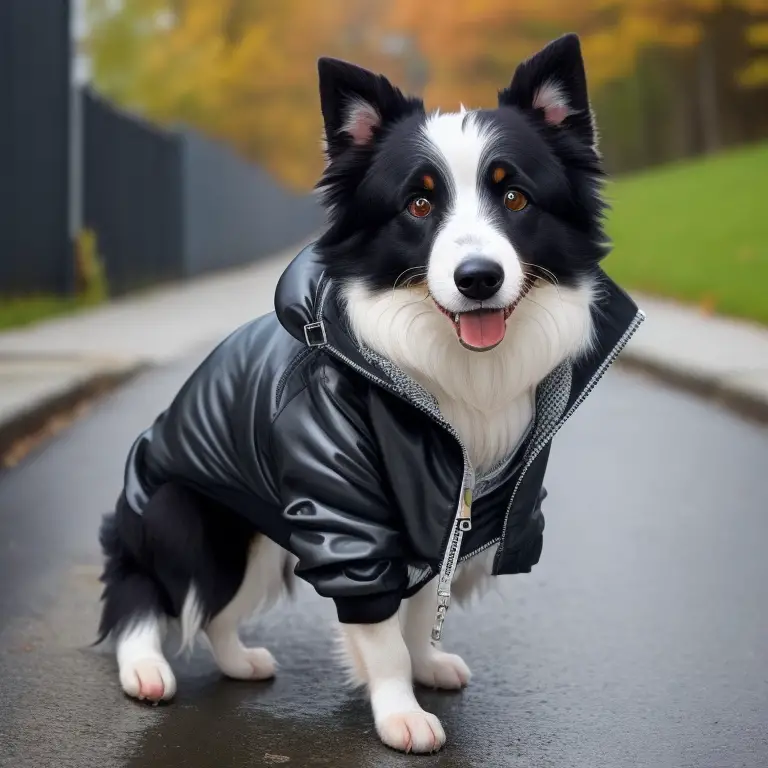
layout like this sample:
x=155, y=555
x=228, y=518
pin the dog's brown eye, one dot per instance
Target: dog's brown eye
x=420, y=207
x=515, y=201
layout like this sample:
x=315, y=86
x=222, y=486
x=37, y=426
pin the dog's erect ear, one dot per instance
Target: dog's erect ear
x=356, y=103
x=554, y=83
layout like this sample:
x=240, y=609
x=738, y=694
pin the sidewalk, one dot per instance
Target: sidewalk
x=49, y=367
x=719, y=357
x=45, y=366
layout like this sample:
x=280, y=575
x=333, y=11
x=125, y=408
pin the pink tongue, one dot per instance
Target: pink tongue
x=482, y=328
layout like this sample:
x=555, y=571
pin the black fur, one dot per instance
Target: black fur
x=152, y=559
x=341, y=84
x=367, y=188
x=560, y=62
x=183, y=537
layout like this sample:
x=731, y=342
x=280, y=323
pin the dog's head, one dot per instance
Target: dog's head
x=473, y=207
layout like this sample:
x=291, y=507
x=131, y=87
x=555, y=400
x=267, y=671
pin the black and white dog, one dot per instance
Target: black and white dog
x=384, y=433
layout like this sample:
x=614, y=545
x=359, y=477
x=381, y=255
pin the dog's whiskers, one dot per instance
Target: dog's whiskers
x=541, y=306
x=420, y=275
x=409, y=281
x=548, y=275
x=421, y=271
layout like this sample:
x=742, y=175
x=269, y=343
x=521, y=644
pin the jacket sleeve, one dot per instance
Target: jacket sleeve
x=343, y=522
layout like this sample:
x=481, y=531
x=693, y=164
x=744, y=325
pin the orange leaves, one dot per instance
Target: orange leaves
x=245, y=70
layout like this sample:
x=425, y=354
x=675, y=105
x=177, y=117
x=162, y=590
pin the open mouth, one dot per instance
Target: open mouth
x=482, y=329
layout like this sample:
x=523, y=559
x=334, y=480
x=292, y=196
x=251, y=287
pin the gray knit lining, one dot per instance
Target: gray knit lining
x=551, y=401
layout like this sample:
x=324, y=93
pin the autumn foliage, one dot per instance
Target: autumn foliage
x=245, y=70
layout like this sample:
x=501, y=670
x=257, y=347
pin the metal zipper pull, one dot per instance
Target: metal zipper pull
x=462, y=523
x=443, y=603
x=465, y=513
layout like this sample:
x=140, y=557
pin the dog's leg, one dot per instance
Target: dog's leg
x=432, y=667
x=133, y=610
x=262, y=584
x=380, y=656
x=144, y=672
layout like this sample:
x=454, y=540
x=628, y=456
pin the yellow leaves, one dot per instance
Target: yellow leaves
x=757, y=35
x=240, y=70
x=606, y=56
x=245, y=70
x=755, y=74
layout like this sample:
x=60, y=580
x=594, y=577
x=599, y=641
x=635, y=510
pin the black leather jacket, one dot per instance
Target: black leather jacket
x=340, y=458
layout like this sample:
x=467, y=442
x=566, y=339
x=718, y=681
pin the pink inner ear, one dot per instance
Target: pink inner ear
x=552, y=100
x=556, y=115
x=361, y=121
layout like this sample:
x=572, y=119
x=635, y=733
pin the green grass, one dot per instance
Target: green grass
x=15, y=312
x=697, y=232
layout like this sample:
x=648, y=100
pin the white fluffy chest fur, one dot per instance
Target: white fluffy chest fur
x=488, y=397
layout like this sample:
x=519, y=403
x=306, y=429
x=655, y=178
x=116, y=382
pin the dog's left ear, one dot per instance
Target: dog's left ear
x=554, y=84
x=357, y=103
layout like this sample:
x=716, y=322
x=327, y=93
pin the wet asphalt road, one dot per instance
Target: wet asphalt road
x=640, y=640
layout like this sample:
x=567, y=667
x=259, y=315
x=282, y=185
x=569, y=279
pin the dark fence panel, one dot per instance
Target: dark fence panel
x=133, y=201
x=234, y=212
x=35, y=252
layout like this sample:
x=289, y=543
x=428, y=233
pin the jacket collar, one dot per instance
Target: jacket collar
x=306, y=306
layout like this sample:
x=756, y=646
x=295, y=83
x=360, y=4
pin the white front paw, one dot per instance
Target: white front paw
x=248, y=664
x=149, y=679
x=419, y=732
x=437, y=669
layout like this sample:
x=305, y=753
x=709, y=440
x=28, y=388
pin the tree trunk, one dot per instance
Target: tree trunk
x=708, y=97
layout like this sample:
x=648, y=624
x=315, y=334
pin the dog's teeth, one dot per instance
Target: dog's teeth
x=456, y=318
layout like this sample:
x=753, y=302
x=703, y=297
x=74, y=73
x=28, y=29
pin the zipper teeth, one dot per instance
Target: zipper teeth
x=596, y=376
x=446, y=425
x=386, y=385
x=480, y=549
x=450, y=560
x=457, y=534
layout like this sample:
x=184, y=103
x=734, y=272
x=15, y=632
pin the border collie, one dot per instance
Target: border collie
x=384, y=433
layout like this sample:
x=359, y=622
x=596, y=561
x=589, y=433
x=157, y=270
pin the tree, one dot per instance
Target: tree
x=244, y=71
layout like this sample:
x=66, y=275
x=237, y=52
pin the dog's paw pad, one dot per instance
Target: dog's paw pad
x=149, y=680
x=441, y=670
x=418, y=732
x=249, y=664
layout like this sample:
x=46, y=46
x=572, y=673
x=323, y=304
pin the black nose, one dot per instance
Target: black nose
x=478, y=278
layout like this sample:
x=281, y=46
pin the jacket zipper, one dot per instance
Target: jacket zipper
x=542, y=442
x=461, y=524
x=462, y=521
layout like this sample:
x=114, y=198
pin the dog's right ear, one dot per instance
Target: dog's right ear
x=356, y=103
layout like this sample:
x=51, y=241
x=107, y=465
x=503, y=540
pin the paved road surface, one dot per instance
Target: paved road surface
x=640, y=640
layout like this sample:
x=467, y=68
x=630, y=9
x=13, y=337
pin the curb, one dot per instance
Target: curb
x=38, y=414
x=101, y=383
x=712, y=388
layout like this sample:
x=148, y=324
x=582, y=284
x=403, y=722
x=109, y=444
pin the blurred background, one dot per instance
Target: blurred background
x=157, y=159
x=153, y=140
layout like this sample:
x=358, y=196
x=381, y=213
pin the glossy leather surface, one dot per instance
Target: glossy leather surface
x=307, y=444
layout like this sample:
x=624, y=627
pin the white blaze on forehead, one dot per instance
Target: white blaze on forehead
x=460, y=145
